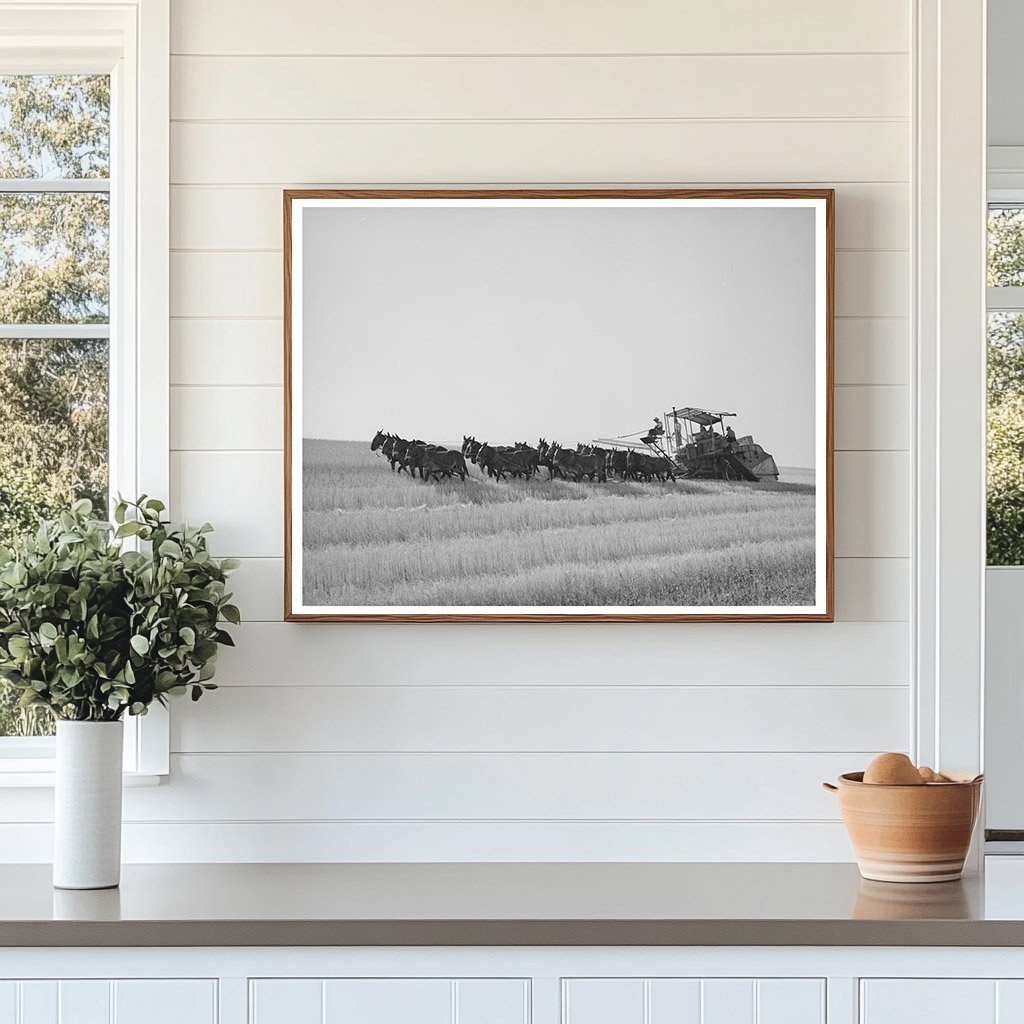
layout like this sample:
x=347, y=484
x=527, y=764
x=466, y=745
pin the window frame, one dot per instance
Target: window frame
x=1002, y=712
x=130, y=41
x=1002, y=299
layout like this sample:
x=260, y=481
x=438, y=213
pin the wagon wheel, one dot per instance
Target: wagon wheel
x=728, y=473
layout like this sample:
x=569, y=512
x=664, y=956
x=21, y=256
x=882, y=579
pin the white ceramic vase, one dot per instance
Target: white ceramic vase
x=87, y=808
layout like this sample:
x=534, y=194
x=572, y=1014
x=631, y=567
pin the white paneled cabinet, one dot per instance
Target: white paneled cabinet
x=577, y=1000
x=508, y=1001
x=693, y=1001
x=513, y=985
x=102, y=1001
x=942, y=1001
x=389, y=1001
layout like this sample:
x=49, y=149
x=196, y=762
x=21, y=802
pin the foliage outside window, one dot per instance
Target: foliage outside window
x=54, y=308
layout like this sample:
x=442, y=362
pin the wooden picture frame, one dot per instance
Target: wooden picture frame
x=371, y=236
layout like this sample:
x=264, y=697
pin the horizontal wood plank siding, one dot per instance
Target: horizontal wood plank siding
x=538, y=88
x=158, y=842
x=786, y=654
x=447, y=742
x=535, y=27
x=504, y=786
x=463, y=152
x=404, y=719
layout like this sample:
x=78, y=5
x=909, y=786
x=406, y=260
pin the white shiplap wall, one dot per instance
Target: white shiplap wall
x=684, y=741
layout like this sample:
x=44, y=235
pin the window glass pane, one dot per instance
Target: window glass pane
x=54, y=257
x=16, y=721
x=54, y=126
x=53, y=449
x=1005, y=246
x=54, y=269
x=1006, y=439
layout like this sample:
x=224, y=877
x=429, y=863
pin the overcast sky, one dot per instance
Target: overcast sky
x=571, y=323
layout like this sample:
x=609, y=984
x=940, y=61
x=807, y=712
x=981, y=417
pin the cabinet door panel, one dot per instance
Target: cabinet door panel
x=84, y=1002
x=728, y=1001
x=791, y=1001
x=934, y=1001
x=286, y=1001
x=388, y=1001
x=603, y=1001
x=489, y=1001
x=38, y=1002
x=693, y=1001
x=674, y=1001
x=165, y=1002
x=1010, y=1002
x=8, y=1002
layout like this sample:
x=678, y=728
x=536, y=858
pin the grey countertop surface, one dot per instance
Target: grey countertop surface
x=494, y=904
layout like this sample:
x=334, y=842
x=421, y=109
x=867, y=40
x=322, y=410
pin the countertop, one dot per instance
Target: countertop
x=492, y=904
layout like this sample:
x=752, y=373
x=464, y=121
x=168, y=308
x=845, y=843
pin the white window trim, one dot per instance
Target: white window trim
x=949, y=442
x=130, y=40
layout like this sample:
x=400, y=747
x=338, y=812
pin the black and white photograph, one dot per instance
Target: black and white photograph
x=575, y=406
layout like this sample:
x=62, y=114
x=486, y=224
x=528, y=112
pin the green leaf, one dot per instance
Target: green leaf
x=232, y=614
x=19, y=646
x=133, y=560
x=170, y=549
x=188, y=634
x=140, y=644
x=48, y=631
x=206, y=650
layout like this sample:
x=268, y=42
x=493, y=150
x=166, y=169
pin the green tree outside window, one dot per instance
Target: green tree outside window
x=54, y=271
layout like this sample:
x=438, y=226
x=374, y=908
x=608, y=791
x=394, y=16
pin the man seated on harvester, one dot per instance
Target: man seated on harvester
x=654, y=433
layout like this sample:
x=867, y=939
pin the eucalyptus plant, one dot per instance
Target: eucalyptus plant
x=98, y=619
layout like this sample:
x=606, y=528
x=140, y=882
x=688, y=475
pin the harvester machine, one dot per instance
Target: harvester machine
x=704, y=448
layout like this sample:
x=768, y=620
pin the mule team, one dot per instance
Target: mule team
x=521, y=460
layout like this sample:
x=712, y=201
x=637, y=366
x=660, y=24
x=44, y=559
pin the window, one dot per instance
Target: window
x=1005, y=498
x=84, y=124
x=54, y=309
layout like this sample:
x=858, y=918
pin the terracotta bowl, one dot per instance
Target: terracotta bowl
x=909, y=833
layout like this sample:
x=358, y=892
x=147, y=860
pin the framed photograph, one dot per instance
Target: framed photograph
x=558, y=405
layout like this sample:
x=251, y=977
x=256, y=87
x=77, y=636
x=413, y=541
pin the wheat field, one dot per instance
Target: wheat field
x=372, y=537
